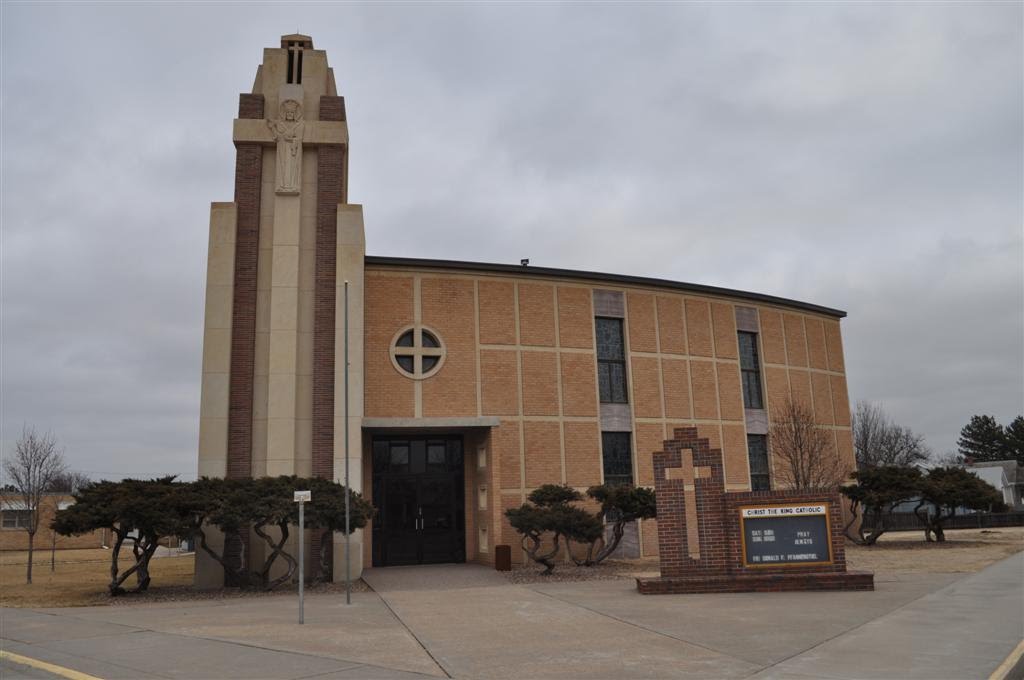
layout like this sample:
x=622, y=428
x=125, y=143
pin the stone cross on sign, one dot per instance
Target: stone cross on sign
x=690, y=474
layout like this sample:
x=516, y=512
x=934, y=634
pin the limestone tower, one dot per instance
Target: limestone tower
x=279, y=256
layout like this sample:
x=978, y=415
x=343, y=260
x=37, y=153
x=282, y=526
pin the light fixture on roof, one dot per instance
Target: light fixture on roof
x=525, y=261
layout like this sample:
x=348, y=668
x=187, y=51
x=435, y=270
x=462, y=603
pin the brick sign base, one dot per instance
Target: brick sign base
x=699, y=530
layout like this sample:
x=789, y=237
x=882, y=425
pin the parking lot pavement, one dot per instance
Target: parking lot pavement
x=10, y=670
x=467, y=621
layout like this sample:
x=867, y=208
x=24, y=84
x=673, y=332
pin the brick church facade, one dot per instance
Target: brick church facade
x=470, y=383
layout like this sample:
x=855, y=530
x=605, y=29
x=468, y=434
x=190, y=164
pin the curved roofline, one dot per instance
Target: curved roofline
x=549, y=272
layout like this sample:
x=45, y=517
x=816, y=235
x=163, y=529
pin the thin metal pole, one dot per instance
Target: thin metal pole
x=348, y=529
x=302, y=565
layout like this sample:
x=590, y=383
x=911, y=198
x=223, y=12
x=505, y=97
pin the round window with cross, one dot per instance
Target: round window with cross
x=417, y=352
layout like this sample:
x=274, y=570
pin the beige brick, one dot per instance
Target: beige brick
x=536, y=314
x=579, y=385
x=646, y=391
x=800, y=388
x=834, y=345
x=575, y=317
x=642, y=332
x=698, y=327
x=840, y=400
x=772, y=342
x=543, y=454
x=389, y=308
x=582, y=454
x=705, y=398
x=822, y=394
x=505, y=449
x=650, y=438
x=499, y=384
x=447, y=305
x=509, y=536
x=676, y=380
x=724, y=317
x=796, y=341
x=816, y=342
x=671, y=329
x=497, y=313
x=540, y=384
x=734, y=455
x=712, y=433
x=649, y=538
x=729, y=396
x=777, y=389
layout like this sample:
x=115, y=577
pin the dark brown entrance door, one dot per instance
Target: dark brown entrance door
x=419, y=495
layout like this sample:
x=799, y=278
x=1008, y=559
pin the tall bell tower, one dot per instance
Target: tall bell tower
x=279, y=256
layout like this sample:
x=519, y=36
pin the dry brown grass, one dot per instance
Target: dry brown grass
x=80, y=578
x=964, y=550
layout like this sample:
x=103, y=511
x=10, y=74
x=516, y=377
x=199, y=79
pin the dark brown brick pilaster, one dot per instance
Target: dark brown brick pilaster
x=330, y=192
x=248, y=180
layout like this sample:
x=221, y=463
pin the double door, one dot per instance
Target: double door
x=420, y=514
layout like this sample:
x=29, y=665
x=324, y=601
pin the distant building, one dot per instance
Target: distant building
x=471, y=384
x=14, y=519
x=1007, y=476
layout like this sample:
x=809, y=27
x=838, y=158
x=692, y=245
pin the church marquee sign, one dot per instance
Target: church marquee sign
x=785, y=535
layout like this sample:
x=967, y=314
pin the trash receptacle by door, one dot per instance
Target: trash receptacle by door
x=503, y=557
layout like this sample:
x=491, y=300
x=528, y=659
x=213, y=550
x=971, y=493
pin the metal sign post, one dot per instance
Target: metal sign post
x=302, y=497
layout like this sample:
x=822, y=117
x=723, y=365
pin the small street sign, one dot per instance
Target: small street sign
x=303, y=496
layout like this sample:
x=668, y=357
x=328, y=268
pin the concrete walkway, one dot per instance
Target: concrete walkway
x=467, y=621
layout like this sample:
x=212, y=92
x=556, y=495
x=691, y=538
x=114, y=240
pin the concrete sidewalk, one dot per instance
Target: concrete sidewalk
x=467, y=621
x=962, y=631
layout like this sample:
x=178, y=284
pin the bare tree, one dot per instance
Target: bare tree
x=805, y=457
x=31, y=470
x=878, y=441
x=69, y=481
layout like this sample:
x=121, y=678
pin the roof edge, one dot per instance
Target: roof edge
x=549, y=272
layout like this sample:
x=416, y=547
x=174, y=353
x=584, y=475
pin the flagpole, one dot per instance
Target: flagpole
x=348, y=486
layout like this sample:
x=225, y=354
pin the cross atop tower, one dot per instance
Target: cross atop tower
x=295, y=44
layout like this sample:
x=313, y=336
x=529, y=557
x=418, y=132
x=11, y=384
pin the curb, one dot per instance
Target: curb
x=63, y=672
x=1012, y=667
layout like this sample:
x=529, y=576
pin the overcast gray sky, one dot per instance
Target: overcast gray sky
x=860, y=156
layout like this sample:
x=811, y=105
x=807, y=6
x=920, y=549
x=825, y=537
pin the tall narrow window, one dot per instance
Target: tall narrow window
x=618, y=458
x=757, y=452
x=750, y=368
x=611, y=361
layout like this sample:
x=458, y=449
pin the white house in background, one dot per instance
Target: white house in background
x=1005, y=475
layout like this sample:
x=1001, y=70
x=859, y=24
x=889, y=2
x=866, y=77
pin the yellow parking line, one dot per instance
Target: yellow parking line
x=1008, y=663
x=48, y=667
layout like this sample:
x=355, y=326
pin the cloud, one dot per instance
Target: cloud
x=867, y=157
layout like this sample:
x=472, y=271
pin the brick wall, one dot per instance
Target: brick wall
x=700, y=530
x=17, y=539
x=330, y=192
x=522, y=349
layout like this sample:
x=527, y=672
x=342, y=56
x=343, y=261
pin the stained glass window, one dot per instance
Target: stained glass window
x=757, y=452
x=611, y=361
x=750, y=369
x=618, y=458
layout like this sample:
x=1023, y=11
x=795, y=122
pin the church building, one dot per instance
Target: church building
x=470, y=384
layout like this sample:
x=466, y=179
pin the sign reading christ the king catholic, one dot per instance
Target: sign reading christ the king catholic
x=779, y=535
